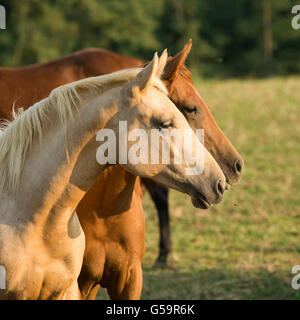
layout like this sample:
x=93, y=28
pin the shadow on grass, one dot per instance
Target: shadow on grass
x=164, y=284
x=218, y=284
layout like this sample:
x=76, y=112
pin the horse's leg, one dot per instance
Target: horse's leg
x=91, y=272
x=93, y=293
x=131, y=289
x=162, y=206
x=159, y=195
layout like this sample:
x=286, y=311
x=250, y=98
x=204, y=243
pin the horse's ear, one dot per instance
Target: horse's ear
x=162, y=63
x=145, y=77
x=173, y=64
x=154, y=69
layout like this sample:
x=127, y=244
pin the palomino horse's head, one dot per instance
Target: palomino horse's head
x=145, y=105
x=187, y=99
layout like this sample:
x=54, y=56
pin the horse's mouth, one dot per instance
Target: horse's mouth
x=199, y=201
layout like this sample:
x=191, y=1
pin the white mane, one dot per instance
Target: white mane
x=16, y=137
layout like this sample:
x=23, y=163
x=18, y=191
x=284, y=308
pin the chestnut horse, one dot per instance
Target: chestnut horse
x=119, y=257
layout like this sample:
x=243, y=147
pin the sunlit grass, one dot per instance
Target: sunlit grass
x=245, y=247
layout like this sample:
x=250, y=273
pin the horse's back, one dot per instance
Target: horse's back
x=100, y=61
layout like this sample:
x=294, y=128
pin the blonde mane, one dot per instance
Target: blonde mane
x=16, y=137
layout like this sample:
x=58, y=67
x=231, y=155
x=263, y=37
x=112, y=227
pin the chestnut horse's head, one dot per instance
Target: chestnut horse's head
x=187, y=99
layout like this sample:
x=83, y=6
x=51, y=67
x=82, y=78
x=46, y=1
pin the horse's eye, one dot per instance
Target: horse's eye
x=190, y=110
x=166, y=124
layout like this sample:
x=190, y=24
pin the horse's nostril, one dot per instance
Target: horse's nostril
x=220, y=187
x=238, y=166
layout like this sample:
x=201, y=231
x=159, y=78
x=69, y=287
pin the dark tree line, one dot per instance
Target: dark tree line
x=230, y=38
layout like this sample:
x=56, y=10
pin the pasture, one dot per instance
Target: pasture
x=245, y=247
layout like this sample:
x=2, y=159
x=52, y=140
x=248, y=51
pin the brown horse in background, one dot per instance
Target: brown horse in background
x=113, y=259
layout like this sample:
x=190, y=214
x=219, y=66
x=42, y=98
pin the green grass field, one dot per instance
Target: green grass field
x=245, y=247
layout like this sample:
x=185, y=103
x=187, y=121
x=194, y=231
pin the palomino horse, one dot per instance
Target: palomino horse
x=113, y=255
x=48, y=163
x=27, y=85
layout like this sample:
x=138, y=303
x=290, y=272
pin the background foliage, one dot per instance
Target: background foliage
x=230, y=38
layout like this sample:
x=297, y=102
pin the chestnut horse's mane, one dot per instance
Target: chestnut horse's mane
x=16, y=137
x=186, y=73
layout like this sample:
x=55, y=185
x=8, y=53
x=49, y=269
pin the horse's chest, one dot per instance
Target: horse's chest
x=42, y=268
x=60, y=267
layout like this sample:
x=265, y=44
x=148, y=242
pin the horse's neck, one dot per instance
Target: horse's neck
x=52, y=183
x=116, y=187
